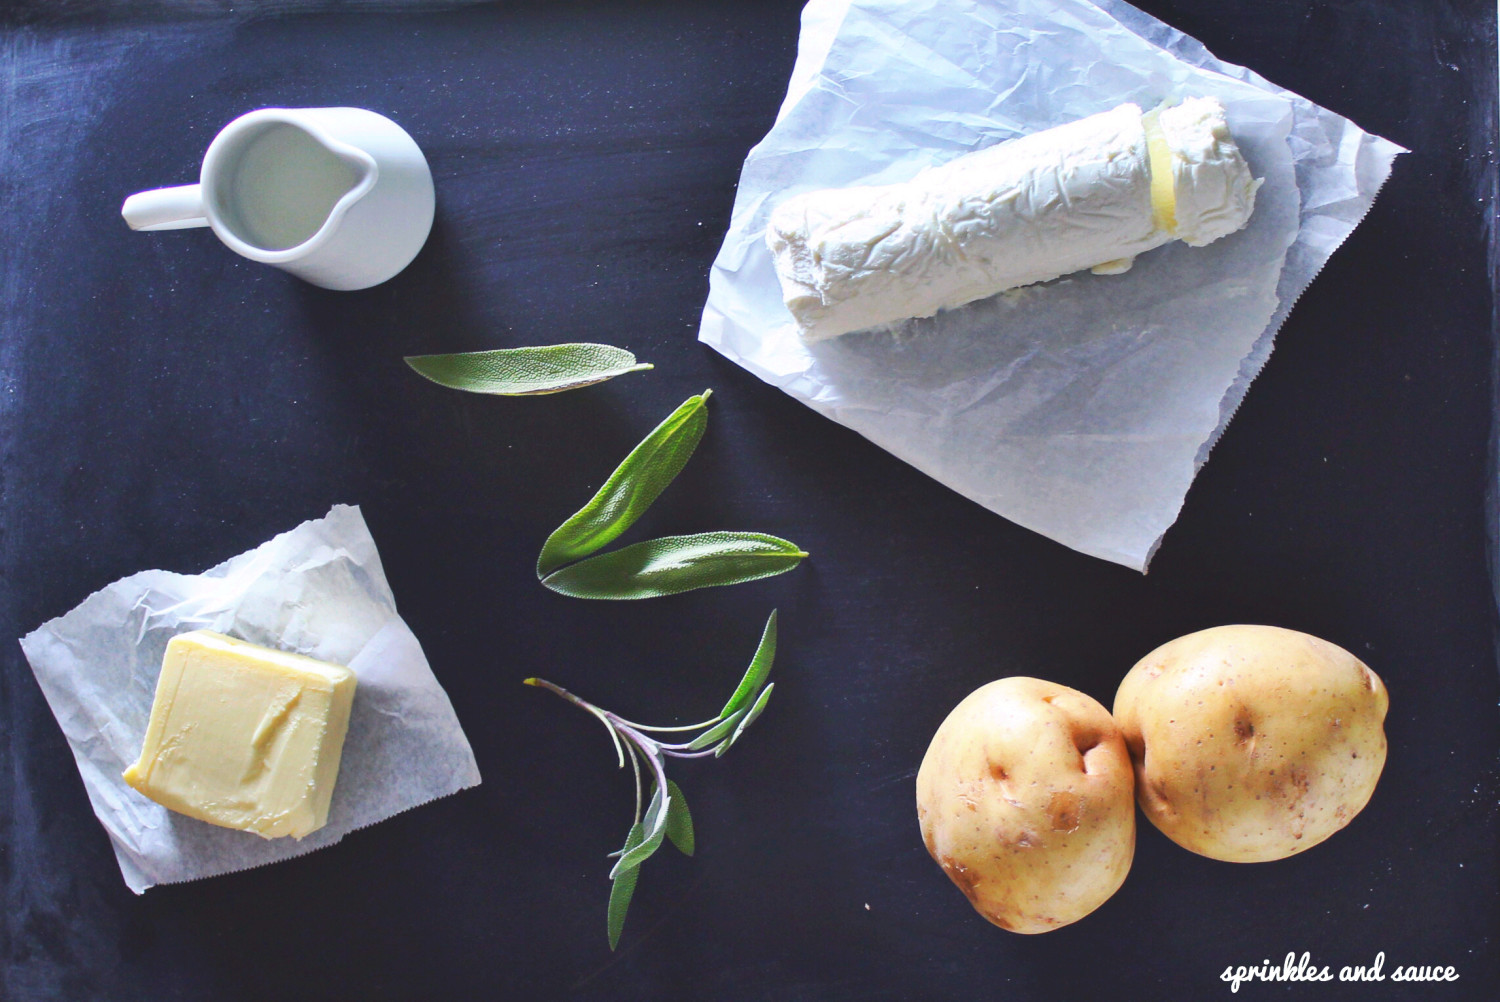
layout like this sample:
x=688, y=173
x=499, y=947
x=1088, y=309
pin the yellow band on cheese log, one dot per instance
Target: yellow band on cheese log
x=1163, y=184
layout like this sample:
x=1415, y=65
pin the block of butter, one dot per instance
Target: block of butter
x=244, y=736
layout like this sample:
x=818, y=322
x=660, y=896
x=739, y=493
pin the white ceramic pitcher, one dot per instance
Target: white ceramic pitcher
x=340, y=197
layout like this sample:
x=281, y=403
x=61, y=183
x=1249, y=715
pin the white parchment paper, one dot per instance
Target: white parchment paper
x=317, y=590
x=1080, y=408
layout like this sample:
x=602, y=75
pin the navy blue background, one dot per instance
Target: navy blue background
x=164, y=403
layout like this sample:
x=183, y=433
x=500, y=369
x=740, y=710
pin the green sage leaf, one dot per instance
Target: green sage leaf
x=760, y=667
x=715, y=732
x=679, y=820
x=630, y=490
x=755, y=711
x=524, y=372
x=655, y=823
x=749, y=718
x=623, y=888
x=676, y=564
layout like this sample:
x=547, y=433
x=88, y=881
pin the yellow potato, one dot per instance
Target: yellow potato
x=1252, y=743
x=1025, y=798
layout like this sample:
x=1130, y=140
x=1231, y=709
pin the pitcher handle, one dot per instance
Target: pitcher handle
x=177, y=208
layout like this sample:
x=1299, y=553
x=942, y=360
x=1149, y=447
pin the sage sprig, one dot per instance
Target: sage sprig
x=666, y=817
x=525, y=372
x=656, y=567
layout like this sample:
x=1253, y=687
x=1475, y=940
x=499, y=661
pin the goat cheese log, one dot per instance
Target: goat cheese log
x=1089, y=194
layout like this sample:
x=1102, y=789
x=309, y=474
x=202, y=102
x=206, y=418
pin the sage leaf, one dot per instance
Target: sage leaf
x=760, y=667
x=674, y=564
x=749, y=718
x=623, y=888
x=715, y=732
x=755, y=711
x=679, y=821
x=630, y=490
x=525, y=372
x=655, y=823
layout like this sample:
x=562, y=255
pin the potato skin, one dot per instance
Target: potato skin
x=1025, y=799
x=1252, y=743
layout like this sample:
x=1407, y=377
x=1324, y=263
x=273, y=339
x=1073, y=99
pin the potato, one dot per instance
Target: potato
x=1252, y=743
x=1025, y=798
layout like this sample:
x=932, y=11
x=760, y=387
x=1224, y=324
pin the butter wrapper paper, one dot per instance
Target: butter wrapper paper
x=317, y=590
x=1080, y=408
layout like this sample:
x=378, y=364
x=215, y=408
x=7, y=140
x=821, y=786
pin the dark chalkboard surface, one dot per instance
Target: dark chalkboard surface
x=164, y=403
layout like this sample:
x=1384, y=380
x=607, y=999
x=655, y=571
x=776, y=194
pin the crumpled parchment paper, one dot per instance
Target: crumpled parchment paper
x=1080, y=408
x=317, y=590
